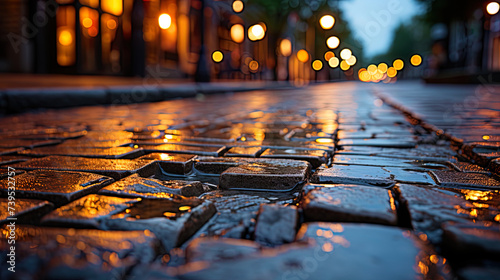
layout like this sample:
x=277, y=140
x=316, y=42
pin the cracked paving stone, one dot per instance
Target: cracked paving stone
x=110, y=153
x=136, y=186
x=4, y=160
x=86, y=143
x=276, y=224
x=421, y=152
x=243, y=152
x=410, y=176
x=482, y=152
x=173, y=220
x=24, y=210
x=468, y=167
x=76, y=253
x=219, y=249
x=172, y=163
x=59, y=187
x=314, y=157
x=275, y=174
x=204, y=150
x=389, y=143
x=429, y=208
x=108, y=135
x=335, y=251
x=385, y=162
x=464, y=180
x=350, y=203
x=19, y=143
x=214, y=165
x=341, y=174
x=115, y=168
x=472, y=241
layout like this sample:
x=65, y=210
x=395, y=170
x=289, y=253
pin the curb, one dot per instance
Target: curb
x=13, y=101
x=470, y=151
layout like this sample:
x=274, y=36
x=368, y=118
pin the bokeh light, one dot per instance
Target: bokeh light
x=333, y=42
x=237, y=33
x=317, y=65
x=392, y=72
x=382, y=67
x=398, y=64
x=286, y=47
x=217, y=56
x=345, y=54
x=327, y=22
x=238, y=6
x=416, y=60
x=65, y=38
x=256, y=32
x=303, y=56
x=164, y=21
x=87, y=22
x=329, y=55
x=253, y=66
x=351, y=60
x=344, y=65
x=492, y=8
x=372, y=69
x=333, y=62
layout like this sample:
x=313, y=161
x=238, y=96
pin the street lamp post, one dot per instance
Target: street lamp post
x=202, y=74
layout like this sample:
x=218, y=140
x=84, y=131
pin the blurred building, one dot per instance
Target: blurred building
x=112, y=37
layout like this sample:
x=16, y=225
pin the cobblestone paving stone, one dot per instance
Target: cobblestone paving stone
x=332, y=181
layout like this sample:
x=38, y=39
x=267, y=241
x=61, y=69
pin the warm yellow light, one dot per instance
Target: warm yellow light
x=87, y=22
x=65, y=38
x=416, y=60
x=256, y=32
x=111, y=24
x=286, y=47
x=317, y=65
x=253, y=65
x=238, y=6
x=492, y=8
x=164, y=21
x=486, y=137
x=333, y=62
x=378, y=76
x=392, y=72
x=344, y=66
x=329, y=55
x=324, y=140
x=345, y=54
x=217, y=56
x=333, y=42
x=382, y=68
x=237, y=33
x=372, y=69
x=364, y=76
x=398, y=64
x=303, y=56
x=352, y=60
x=114, y=7
x=327, y=22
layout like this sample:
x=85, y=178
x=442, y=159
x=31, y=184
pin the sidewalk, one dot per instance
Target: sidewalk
x=22, y=92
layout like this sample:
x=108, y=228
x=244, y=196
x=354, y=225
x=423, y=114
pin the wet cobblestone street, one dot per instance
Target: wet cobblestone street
x=332, y=181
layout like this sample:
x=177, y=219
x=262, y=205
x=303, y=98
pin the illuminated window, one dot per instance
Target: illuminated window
x=114, y=7
x=65, y=18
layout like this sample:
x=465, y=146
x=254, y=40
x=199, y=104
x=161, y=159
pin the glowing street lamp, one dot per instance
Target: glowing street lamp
x=237, y=33
x=256, y=32
x=492, y=8
x=327, y=22
x=333, y=42
x=165, y=21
